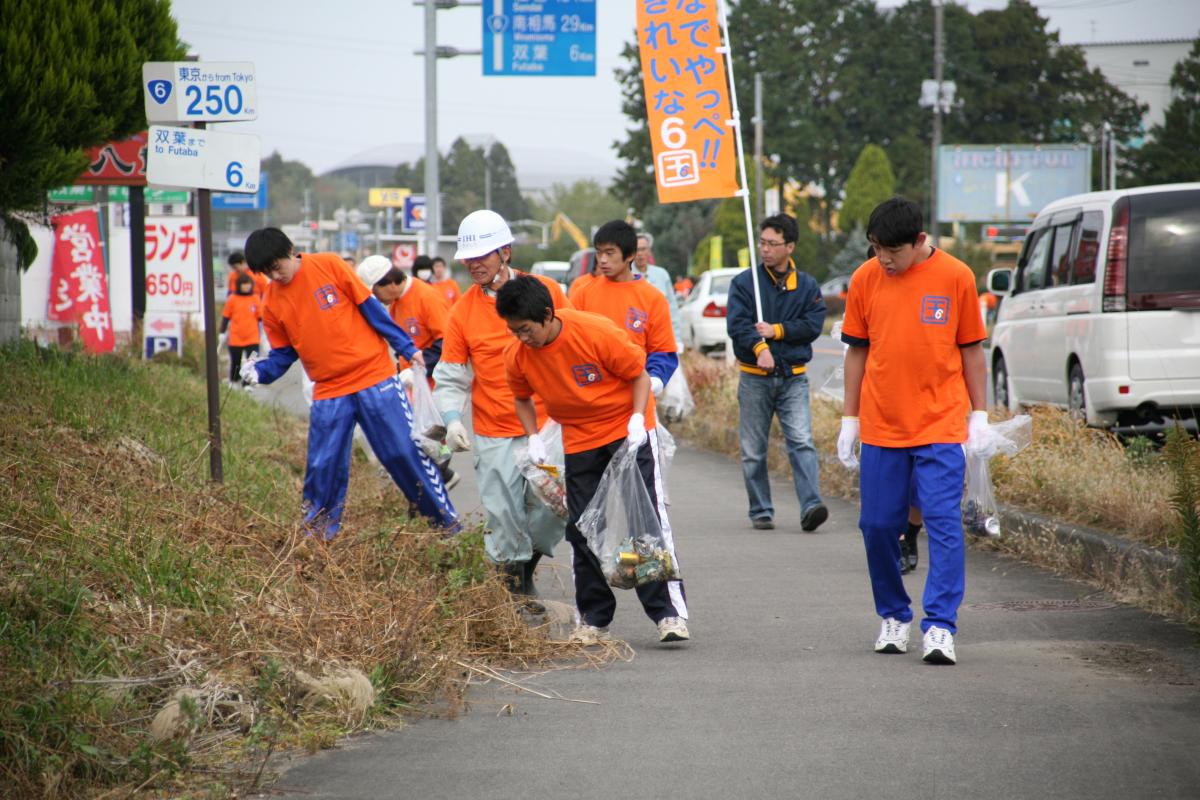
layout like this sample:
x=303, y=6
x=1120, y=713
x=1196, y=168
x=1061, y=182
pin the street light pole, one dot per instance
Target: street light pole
x=433, y=211
x=937, y=121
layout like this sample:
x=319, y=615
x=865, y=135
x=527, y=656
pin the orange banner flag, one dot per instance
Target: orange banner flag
x=687, y=99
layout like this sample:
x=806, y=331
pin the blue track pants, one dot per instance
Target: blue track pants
x=936, y=473
x=385, y=416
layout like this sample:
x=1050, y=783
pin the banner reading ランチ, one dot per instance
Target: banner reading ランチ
x=687, y=99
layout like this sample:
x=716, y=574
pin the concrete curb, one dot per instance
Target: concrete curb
x=1153, y=578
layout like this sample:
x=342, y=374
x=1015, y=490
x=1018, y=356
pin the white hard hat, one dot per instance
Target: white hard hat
x=480, y=233
x=372, y=268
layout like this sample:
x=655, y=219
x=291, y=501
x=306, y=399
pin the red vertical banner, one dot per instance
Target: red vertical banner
x=687, y=99
x=78, y=287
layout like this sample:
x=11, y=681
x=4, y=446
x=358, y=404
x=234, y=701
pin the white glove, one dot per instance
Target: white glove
x=456, y=437
x=846, y=441
x=537, y=450
x=223, y=339
x=979, y=434
x=248, y=372
x=656, y=385
x=406, y=377
x=636, y=433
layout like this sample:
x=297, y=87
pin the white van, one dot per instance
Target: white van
x=1102, y=314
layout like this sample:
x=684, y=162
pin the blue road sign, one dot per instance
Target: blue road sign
x=1008, y=183
x=552, y=37
x=414, y=213
x=231, y=201
x=350, y=240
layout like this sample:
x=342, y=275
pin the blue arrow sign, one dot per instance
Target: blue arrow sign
x=552, y=37
x=231, y=201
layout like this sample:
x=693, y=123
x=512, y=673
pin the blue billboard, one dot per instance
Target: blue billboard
x=235, y=201
x=1008, y=182
x=551, y=37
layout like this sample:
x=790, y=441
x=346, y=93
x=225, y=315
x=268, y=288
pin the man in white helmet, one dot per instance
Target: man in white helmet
x=520, y=528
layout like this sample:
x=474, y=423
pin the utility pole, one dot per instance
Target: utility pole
x=758, y=148
x=937, y=120
x=433, y=210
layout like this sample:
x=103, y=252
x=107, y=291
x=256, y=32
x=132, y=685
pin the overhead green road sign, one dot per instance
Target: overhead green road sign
x=116, y=194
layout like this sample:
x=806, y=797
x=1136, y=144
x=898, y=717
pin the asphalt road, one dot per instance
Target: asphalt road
x=1059, y=692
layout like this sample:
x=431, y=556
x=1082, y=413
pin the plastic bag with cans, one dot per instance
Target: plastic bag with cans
x=676, y=402
x=981, y=515
x=623, y=529
x=547, y=479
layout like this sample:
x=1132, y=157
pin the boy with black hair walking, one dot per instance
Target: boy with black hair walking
x=318, y=311
x=593, y=381
x=914, y=371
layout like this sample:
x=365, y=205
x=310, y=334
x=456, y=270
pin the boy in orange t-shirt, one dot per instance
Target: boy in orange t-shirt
x=444, y=282
x=318, y=311
x=240, y=320
x=594, y=383
x=914, y=371
x=238, y=267
x=630, y=302
x=414, y=305
x=520, y=527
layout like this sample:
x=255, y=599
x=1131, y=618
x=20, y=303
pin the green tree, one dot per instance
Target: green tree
x=677, y=229
x=635, y=179
x=584, y=202
x=1172, y=152
x=507, y=200
x=70, y=78
x=870, y=183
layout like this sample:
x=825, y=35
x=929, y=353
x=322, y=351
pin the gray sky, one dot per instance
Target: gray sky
x=338, y=78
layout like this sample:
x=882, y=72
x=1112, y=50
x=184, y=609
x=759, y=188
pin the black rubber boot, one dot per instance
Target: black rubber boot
x=518, y=578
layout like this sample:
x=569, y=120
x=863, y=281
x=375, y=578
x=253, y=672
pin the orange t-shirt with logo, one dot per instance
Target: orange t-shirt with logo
x=421, y=312
x=585, y=376
x=448, y=290
x=578, y=285
x=477, y=335
x=243, y=312
x=635, y=307
x=317, y=314
x=914, y=392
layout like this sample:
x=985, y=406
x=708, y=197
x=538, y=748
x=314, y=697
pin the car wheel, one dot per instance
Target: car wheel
x=1077, y=393
x=1002, y=391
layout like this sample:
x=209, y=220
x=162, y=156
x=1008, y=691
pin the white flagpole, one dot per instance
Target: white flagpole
x=736, y=122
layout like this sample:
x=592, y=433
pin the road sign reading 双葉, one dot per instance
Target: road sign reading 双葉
x=1008, y=183
x=194, y=91
x=551, y=37
x=205, y=159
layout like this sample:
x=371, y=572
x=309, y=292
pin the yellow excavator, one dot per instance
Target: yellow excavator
x=563, y=223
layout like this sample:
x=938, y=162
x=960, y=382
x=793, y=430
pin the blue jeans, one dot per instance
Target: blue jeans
x=761, y=397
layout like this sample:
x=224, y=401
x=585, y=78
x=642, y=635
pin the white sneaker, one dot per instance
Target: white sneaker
x=939, y=646
x=893, y=636
x=672, y=629
x=589, y=634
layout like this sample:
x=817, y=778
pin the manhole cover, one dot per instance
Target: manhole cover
x=1043, y=605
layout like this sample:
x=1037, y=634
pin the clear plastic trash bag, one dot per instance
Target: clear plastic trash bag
x=981, y=515
x=549, y=478
x=676, y=401
x=666, y=449
x=623, y=530
x=427, y=420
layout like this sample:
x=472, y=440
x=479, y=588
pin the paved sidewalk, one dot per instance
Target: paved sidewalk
x=1059, y=693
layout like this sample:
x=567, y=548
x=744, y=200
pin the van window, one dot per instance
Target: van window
x=1060, y=259
x=1083, y=268
x=1164, y=238
x=1033, y=275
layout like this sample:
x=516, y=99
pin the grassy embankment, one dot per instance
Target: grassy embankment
x=161, y=635
x=1070, y=473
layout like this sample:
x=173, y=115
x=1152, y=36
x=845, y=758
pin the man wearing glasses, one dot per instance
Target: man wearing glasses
x=773, y=355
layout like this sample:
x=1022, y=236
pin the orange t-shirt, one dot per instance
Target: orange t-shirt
x=448, y=290
x=260, y=283
x=914, y=392
x=585, y=378
x=635, y=307
x=243, y=312
x=317, y=314
x=577, y=285
x=476, y=334
x=421, y=312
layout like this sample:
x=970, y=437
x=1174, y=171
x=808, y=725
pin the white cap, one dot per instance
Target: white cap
x=372, y=268
x=480, y=233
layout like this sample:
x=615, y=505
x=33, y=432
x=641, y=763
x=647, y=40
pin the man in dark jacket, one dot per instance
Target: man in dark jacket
x=773, y=356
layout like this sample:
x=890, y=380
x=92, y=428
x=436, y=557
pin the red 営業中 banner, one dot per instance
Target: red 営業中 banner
x=78, y=287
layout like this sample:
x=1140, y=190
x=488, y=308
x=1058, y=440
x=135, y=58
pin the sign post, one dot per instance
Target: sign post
x=551, y=37
x=196, y=157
